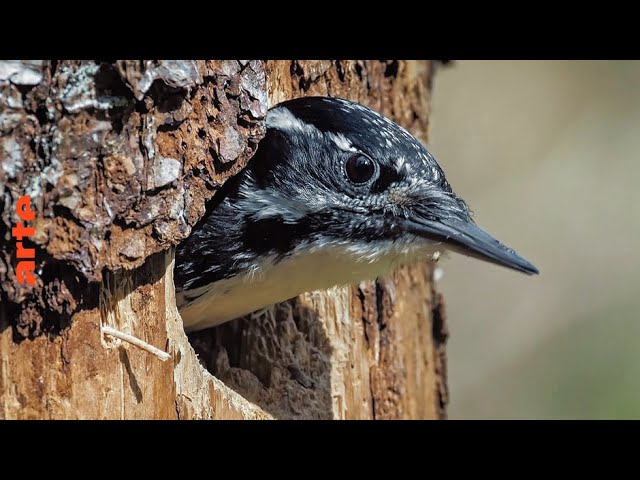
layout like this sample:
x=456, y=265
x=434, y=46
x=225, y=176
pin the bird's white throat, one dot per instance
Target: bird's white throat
x=306, y=270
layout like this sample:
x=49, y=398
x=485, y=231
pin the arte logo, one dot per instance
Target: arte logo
x=25, y=270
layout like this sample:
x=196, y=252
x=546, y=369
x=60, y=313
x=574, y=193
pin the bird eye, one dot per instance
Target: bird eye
x=360, y=168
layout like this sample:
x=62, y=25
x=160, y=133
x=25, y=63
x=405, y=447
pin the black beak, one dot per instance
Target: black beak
x=467, y=238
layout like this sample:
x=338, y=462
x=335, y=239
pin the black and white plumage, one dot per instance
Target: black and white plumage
x=335, y=194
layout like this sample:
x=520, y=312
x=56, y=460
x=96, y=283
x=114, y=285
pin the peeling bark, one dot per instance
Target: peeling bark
x=120, y=160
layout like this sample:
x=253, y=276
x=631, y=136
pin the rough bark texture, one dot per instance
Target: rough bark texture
x=119, y=160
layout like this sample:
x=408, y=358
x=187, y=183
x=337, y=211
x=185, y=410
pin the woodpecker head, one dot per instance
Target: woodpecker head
x=331, y=172
x=335, y=194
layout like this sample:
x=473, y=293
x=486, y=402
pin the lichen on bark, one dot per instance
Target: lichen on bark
x=119, y=160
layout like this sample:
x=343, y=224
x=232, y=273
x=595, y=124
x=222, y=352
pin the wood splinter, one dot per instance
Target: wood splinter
x=164, y=356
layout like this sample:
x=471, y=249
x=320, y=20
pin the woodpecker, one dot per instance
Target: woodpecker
x=335, y=194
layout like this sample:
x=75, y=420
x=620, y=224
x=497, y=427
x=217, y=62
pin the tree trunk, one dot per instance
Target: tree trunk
x=119, y=160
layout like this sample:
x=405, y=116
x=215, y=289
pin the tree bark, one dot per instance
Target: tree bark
x=119, y=160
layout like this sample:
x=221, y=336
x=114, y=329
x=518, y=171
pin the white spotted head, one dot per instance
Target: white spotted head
x=333, y=175
x=337, y=171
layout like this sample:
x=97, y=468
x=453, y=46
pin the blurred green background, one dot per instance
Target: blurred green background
x=547, y=154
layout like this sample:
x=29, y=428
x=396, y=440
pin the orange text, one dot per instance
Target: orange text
x=25, y=270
